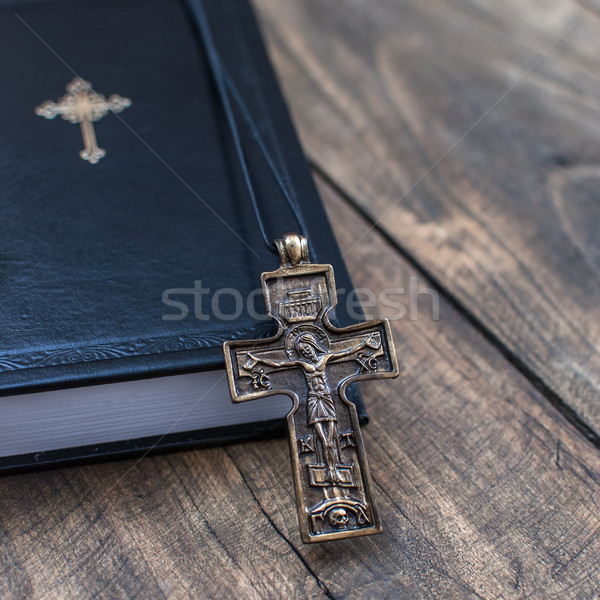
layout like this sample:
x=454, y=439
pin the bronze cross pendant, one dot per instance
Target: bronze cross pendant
x=84, y=106
x=313, y=362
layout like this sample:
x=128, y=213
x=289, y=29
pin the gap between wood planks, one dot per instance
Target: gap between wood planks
x=538, y=383
x=301, y=558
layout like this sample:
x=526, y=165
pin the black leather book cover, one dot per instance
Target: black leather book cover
x=87, y=251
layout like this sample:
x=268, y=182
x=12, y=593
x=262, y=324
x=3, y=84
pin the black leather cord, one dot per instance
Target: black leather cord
x=225, y=86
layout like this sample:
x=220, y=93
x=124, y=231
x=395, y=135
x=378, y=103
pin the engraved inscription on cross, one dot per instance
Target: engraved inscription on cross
x=84, y=106
x=313, y=362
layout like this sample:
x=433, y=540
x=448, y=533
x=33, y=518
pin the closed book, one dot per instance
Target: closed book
x=127, y=260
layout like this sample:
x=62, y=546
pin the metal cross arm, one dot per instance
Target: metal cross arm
x=313, y=362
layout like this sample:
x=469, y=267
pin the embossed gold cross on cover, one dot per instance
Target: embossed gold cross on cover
x=81, y=104
x=312, y=361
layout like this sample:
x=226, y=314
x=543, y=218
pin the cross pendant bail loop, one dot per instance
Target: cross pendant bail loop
x=293, y=250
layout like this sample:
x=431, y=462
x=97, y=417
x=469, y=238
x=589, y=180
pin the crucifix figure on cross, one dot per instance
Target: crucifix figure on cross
x=321, y=412
x=84, y=106
x=313, y=362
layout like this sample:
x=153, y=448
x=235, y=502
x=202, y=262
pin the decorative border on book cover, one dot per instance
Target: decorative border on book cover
x=123, y=349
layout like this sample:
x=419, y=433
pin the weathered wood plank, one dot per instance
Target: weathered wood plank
x=485, y=490
x=470, y=132
x=164, y=527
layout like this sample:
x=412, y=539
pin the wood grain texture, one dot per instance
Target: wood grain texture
x=485, y=491
x=470, y=133
x=166, y=527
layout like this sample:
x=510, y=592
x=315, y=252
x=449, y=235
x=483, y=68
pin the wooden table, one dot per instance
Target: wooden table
x=457, y=148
